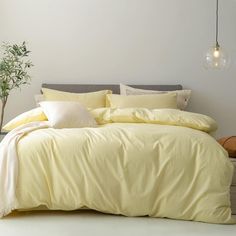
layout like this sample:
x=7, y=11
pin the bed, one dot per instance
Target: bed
x=136, y=162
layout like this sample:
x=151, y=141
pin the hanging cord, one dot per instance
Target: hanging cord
x=217, y=23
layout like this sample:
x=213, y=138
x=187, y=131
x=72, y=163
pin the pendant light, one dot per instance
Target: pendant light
x=216, y=57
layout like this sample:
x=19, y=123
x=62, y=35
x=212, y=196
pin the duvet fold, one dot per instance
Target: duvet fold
x=155, y=116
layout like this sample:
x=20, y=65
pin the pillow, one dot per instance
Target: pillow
x=89, y=100
x=36, y=114
x=183, y=96
x=67, y=115
x=153, y=101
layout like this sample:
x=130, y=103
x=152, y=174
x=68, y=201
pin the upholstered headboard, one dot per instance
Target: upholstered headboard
x=84, y=88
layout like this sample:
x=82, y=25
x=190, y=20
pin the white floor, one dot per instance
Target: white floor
x=92, y=223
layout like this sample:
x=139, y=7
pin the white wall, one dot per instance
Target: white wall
x=129, y=41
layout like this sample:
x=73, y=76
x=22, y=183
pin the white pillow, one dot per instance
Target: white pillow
x=183, y=96
x=67, y=115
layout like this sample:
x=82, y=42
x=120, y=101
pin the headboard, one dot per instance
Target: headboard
x=84, y=88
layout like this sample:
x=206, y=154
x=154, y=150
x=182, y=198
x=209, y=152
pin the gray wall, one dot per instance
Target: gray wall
x=128, y=41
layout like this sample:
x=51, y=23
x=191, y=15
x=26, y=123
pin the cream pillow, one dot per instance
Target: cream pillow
x=153, y=101
x=89, y=100
x=33, y=115
x=183, y=96
x=67, y=115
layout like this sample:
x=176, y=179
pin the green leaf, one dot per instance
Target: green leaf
x=14, y=67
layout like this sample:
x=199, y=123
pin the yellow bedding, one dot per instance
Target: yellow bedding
x=134, y=169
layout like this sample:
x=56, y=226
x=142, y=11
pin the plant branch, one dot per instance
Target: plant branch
x=14, y=68
x=2, y=113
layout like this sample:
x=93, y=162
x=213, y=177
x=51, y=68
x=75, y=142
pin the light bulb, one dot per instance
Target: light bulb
x=216, y=52
x=216, y=58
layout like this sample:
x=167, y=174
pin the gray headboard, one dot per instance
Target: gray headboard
x=84, y=88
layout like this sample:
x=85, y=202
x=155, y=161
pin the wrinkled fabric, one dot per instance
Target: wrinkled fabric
x=128, y=169
x=155, y=116
x=138, y=168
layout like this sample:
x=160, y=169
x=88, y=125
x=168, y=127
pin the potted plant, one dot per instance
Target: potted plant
x=14, y=67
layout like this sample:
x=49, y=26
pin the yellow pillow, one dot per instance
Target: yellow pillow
x=89, y=100
x=36, y=114
x=152, y=101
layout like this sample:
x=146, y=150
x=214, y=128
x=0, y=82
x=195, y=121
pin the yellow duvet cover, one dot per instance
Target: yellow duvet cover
x=134, y=169
x=153, y=162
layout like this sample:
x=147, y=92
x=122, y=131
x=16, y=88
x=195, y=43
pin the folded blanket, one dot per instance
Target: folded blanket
x=9, y=165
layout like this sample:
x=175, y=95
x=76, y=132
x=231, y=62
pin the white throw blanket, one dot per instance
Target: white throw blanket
x=9, y=165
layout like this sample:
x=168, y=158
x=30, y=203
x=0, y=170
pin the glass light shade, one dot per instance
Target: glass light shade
x=216, y=58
